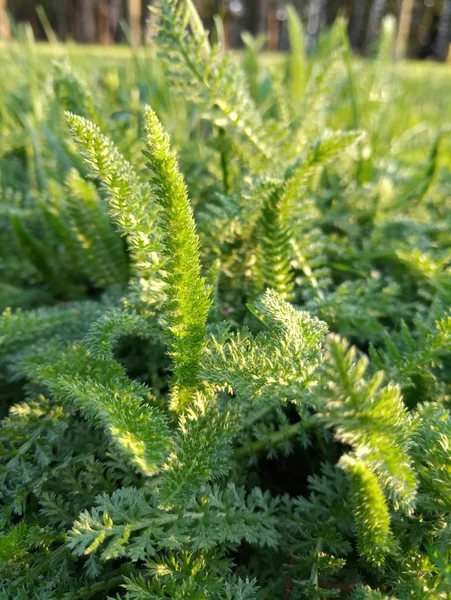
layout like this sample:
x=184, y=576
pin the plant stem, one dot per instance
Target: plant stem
x=224, y=161
x=272, y=440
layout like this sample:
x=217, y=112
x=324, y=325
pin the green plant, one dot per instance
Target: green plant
x=178, y=422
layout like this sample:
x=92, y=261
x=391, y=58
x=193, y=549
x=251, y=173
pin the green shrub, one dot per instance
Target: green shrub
x=231, y=382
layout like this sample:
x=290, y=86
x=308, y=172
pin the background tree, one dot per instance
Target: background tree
x=5, y=31
x=424, y=26
x=134, y=19
x=443, y=35
x=60, y=7
x=405, y=21
x=87, y=21
x=262, y=15
x=426, y=31
x=374, y=21
x=108, y=16
x=273, y=26
x=358, y=22
x=314, y=19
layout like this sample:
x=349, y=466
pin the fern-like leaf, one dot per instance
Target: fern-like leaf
x=130, y=201
x=188, y=297
x=370, y=418
x=372, y=518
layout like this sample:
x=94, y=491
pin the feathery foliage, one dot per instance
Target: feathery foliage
x=129, y=200
x=188, y=302
x=176, y=420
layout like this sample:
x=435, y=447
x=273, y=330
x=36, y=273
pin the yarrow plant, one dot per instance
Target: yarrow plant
x=224, y=360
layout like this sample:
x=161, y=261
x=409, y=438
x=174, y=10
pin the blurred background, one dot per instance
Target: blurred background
x=423, y=30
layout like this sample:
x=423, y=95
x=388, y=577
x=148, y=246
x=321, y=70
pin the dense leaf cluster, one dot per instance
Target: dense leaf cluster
x=225, y=334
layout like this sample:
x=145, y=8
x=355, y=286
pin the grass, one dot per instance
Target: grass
x=352, y=227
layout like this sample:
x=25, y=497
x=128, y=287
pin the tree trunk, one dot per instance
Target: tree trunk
x=405, y=20
x=5, y=30
x=151, y=25
x=134, y=18
x=263, y=16
x=358, y=23
x=115, y=17
x=426, y=24
x=88, y=21
x=374, y=21
x=314, y=20
x=105, y=16
x=60, y=7
x=273, y=27
x=443, y=34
